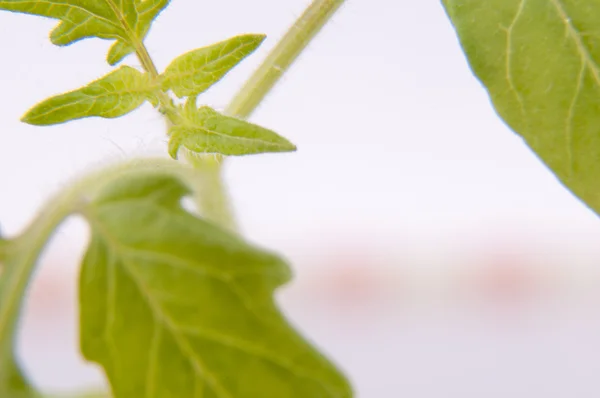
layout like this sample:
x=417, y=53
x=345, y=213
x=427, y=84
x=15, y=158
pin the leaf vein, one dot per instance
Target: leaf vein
x=509, y=55
x=576, y=36
x=249, y=348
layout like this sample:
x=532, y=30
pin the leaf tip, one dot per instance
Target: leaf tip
x=286, y=145
x=112, y=61
x=28, y=118
x=118, y=51
x=255, y=40
x=289, y=147
x=174, y=153
x=174, y=144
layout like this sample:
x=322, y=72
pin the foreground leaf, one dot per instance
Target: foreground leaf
x=540, y=61
x=205, y=130
x=173, y=306
x=114, y=95
x=126, y=21
x=194, y=72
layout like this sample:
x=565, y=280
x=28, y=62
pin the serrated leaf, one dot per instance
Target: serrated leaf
x=540, y=62
x=114, y=95
x=173, y=306
x=204, y=130
x=126, y=21
x=194, y=72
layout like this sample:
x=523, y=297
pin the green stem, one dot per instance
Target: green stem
x=165, y=102
x=211, y=194
x=20, y=254
x=19, y=261
x=146, y=60
x=254, y=91
x=212, y=198
x=277, y=63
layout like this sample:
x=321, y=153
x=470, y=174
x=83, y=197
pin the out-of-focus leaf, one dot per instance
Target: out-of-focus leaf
x=174, y=306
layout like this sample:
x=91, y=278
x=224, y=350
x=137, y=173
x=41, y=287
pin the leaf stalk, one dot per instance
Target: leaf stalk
x=252, y=93
x=281, y=58
x=19, y=261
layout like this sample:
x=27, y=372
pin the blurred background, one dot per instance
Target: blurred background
x=435, y=256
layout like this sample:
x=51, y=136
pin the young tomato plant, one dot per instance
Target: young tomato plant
x=177, y=304
x=172, y=303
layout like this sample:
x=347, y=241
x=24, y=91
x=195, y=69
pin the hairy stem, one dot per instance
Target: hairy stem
x=211, y=197
x=289, y=48
x=146, y=60
x=165, y=102
x=256, y=89
x=211, y=194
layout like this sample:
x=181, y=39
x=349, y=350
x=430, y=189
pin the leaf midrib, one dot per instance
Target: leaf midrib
x=180, y=332
x=133, y=39
x=199, y=367
x=189, y=72
x=189, y=125
x=94, y=100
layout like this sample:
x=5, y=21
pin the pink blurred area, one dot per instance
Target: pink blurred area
x=499, y=321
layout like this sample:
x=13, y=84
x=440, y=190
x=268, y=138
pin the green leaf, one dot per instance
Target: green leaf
x=540, y=62
x=173, y=306
x=114, y=95
x=194, y=72
x=204, y=130
x=126, y=21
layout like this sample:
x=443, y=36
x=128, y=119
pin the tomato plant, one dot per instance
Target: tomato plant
x=175, y=302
